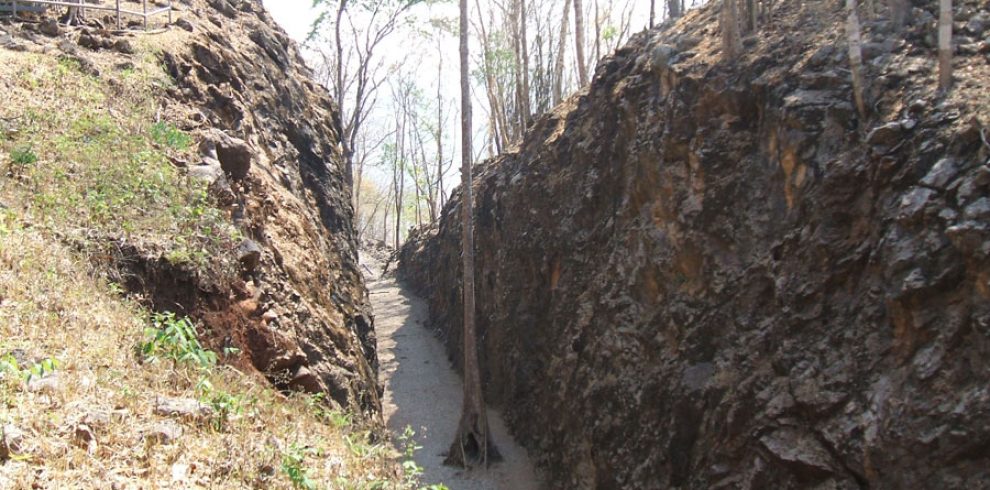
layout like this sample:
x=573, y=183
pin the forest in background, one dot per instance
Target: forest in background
x=400, y=110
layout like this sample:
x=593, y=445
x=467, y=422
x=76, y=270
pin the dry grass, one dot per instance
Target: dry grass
x=81, y=159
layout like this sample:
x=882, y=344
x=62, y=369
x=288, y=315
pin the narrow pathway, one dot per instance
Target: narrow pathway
x=424, y=392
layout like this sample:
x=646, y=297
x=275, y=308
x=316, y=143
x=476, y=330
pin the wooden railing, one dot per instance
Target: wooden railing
x=14, y=6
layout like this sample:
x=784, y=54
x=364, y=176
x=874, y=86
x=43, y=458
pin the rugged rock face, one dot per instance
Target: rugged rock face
x=713, y=275
x=301, y=313
x=294, y=302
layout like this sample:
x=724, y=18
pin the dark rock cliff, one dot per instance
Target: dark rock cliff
x=703, y=274
x=301, y=313
x=289, y=294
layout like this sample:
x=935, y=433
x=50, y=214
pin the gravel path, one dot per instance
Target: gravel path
x=423, y=391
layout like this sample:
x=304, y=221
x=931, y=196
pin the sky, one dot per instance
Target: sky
x=295, y=16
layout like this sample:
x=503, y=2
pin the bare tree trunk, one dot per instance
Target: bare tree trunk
x=558, y=69
x=385, y=218
x=855, y=57
x=598, y=35
x=579, y=43
x=653, y=13
x=944, y=44
x=674, y=8
x=472, y=446
x=899, y=13
x=339, y=88
x=439, y=128
x=524, y=41
x=729, y=22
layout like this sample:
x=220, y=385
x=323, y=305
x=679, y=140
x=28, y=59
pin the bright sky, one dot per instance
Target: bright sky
x=295, y=16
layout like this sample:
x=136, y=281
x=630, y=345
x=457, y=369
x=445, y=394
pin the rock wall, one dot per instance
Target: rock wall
x=268, y=144
x=702, y=274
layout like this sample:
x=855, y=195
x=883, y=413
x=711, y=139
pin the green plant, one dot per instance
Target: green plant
x=410, y=470
x=293, y=459
x=176, y=339
x=316, y=403
x=224, y=404
x=167, y=135
x=9, y=364
x=23, y=155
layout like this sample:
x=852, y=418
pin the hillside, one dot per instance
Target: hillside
x=180, y=304
x=700, y=273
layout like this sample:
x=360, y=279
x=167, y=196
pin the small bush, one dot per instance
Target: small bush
x=176, y=339
x=8, y=364
x=167, y=135
x=293, y=465
x=23, y=156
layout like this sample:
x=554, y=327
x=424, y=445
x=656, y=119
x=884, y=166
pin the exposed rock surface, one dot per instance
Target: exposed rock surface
x=299, y=310
x=288, y=294
x=702, y=274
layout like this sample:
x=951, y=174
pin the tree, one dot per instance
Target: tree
x=579, y=43
x=353, y=72
x=899, y=13
x=944, y=44
x=472, y=446
x=855, y=57
x=558, y=69
x=729, y=23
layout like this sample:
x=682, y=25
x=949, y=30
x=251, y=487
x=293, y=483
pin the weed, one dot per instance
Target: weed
x=23, y=156
x=8, y=364
x=410, y=469
x=293, y=459
x=176, y=339
x=225, y=405
x=167, y=135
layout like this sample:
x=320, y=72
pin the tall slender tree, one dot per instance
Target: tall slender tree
x=729, y=23
x=855, y=57
x=944, y=44
x=473, y=445
x=558, y=69
x=582, y=62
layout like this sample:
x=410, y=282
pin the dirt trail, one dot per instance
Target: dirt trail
x=424, y=392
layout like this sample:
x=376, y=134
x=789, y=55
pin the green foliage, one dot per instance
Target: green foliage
x=9, y=364
x=23, y=156
x=293, y=465
x=225, y=405
x=106, y=172
x=316, y=403
x=410, y=470
x=175, y=338
x=167, y=135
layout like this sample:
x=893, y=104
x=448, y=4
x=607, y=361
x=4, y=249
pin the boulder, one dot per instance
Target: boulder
x=249, y=254
x=164, y=432
x=185, y=408
x=234, y=154
x=50, y=27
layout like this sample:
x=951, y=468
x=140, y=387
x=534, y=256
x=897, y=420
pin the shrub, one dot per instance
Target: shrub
x=176, y=339
x=167, y=135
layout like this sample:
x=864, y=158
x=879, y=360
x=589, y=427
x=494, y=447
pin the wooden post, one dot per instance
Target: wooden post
x=144, y=4
x=118, y=15
x=169, y=12
x=15, y=10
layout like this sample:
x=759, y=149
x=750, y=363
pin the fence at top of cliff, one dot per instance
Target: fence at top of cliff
x=136, y=8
